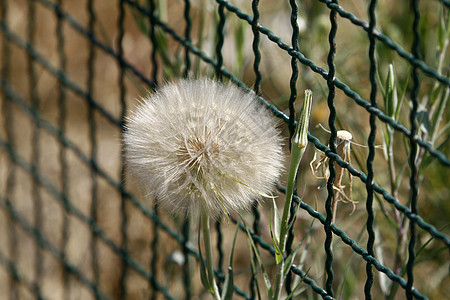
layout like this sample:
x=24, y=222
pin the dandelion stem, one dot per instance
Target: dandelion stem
x=209, y=261
x=299, y=143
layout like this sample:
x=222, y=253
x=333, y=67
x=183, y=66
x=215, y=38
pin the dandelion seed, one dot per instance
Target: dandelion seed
x=198, y=144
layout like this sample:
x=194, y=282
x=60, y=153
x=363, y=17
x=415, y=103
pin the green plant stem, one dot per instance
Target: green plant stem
x=208, y=250
x=293, y=167
x=279, y=281
x=296, y=157
x=299, y=143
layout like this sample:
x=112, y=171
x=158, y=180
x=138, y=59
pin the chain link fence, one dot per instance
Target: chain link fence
x=72, y=227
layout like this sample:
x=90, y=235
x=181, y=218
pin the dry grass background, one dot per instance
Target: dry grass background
x=19, y=246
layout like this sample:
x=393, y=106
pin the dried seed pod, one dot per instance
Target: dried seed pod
x=319, y=168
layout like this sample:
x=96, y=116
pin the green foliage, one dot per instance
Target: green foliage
x=254, y=250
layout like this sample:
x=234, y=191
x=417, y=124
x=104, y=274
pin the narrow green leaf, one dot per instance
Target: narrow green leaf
x=428, y=158
x=402, y=98
x=430, y=256
x=307, y=238
x=253, y=267
x=441, y=31
x=203, y=276
x=435, y=93
x=276, y=221
x=228, y=286
x=385, y=213
x=295, y=213
x=439, y=112
x=447, y=28
x=275, y=242
x=289, y=260
x=296, y=287
x=141, y=22
x=261, y=265
x=391, y=98
x=399, y=176
x=424, y=120
x=443, y=130
x=380, y=82
x=386, y=141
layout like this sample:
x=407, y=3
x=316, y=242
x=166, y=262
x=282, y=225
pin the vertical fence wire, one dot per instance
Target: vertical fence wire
x=292, y=99
x=187, y=36
x=332, y=142
x=122, y=93
x=219, y=55
x=62, y=151
x=155, y=256
x=187, y=280
x=256, y=89
x=220, y=256
x=294, y=67
x=371, y=156
x=36, y=136
x=255, y=47
x=256, y=231
x=93, y=143
x=153, y=39
x=220, y=40
x=154, y=243
x=186, y=228
x=413, y=150
x=10, y=138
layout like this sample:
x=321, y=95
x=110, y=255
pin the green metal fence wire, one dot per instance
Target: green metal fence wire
x=371, y=156
x=333, y=136
x=13, y=100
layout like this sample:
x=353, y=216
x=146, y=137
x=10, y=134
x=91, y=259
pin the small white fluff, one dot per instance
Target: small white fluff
x=198, y=144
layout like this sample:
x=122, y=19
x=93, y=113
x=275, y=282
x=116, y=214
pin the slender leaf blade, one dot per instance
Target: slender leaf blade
x=203, y=276
x=261, y=265
x=229, y=280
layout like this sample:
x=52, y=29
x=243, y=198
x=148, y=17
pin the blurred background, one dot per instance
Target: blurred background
x=73, y=227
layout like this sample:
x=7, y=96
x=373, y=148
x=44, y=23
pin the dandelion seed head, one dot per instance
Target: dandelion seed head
x=199, y=144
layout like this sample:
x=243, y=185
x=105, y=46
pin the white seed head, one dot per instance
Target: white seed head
x=198, y=144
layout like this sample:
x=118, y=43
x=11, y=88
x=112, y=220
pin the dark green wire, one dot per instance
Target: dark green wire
x=36, y=136
x=62, y=151
x=121, y=186
x=291, y=103
x=332, y=142
x=371, y=156
x=415, y=50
